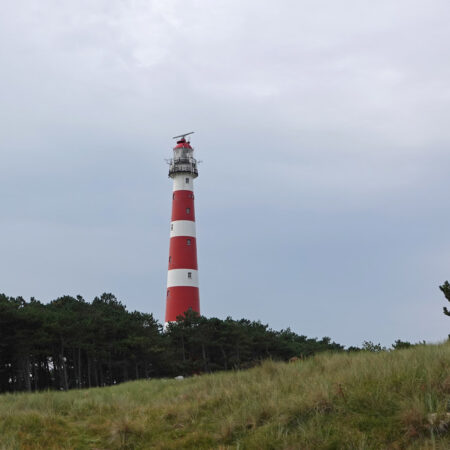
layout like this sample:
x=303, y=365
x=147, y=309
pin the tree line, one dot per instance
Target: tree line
x=72, y=343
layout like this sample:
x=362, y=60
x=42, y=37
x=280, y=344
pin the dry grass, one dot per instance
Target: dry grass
x=331, y=401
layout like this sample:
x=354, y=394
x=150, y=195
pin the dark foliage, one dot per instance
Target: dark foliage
x=399, y=344
x=70, y=343
x=445, y=288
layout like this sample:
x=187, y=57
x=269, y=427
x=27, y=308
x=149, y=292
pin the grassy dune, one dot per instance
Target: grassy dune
x=361, y=401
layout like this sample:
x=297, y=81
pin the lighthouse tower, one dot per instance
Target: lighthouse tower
x=182, y=278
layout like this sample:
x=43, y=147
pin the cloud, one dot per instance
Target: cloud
x=323, y=130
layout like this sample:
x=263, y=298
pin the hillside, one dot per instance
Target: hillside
x=362, y=400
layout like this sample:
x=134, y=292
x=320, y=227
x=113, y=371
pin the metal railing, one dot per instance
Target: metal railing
x=183, y=165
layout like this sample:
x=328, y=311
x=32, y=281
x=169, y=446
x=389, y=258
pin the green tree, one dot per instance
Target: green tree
x=369, y=346
x=399, y=344
x=445, y=288
x=71, y=343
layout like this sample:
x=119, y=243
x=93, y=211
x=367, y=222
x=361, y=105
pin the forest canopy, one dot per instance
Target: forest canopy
x=72, y=343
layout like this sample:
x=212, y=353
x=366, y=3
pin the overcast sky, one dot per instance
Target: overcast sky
x=323, y=126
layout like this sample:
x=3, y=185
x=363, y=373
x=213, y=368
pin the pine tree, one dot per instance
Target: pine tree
x=445, y=288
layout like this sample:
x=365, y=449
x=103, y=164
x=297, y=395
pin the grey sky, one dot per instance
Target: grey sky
x=322, y=201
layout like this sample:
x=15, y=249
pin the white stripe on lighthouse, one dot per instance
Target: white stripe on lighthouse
x=182, y=228
x=180, y=277
x=183, y=182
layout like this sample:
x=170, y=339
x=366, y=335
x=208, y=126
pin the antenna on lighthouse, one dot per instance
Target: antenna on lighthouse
x=183, y=135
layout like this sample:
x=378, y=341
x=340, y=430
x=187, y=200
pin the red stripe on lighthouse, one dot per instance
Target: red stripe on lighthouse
x=183, y=206
x=183, y=253
x=179, y=300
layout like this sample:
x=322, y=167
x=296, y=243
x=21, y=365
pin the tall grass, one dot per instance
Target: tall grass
x=332, y=401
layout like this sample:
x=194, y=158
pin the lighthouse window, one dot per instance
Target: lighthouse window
x=171, y=227
x=189, y=274
x=168, y=292
x=188, y=210
x=170, y=258
x=173, y=196
x=188, y=241
x=187, y=180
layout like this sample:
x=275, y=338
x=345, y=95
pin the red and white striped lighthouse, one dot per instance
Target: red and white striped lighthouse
x=182, y=278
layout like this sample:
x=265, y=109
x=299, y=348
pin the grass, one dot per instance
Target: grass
x=331, y=401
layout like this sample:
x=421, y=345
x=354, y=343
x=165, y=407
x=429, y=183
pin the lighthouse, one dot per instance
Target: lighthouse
x=182, y=277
